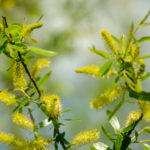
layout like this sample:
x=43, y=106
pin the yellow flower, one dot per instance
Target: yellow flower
x=22, y=121
x=7, y=98
x=52, y=104
x=109, y=41
x=40, y=65
x=38, y=144
x=91, y=70
x=145, y=107
x=29, y=28
x=106, y=98
x=18, y=76
x=6, y=138
x=85, y=137
x=133, y=116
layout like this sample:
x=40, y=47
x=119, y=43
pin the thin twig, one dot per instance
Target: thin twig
x=28, y=73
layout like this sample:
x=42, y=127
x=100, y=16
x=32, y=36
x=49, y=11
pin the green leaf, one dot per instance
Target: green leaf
x=146, y=146
x=42, y=81
x=144, y=57
x=99, y=52
x=128, y=128
x=43, y=124
x=99, y=146
x=105, y=68
x=67, y=110
x=147, y=129
x=118, y=142
x=107, y=134
x=41, y=51
x=140, y=96
x=116, y=39
x=146, y=76
x=125, y=143
x=144, y=39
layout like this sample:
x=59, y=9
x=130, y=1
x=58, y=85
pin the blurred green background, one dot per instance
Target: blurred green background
x=70, y=27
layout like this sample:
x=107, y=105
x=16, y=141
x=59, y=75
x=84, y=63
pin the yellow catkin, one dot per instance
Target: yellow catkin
x=85, y=137
x=109, y=41
x=145, y=107
x=22, y=121
x=53, y=105
x=18, y=76
x=6, y=138
x=1, y=27
x=29, y=28
x=38, y=144
x=133, y=116
x=7, y=98
x=106, y=98
x=91, y=70
x=41, y=64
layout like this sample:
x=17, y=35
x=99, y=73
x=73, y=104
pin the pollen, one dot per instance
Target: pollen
x=133, y=116
x=53, y=105
x=109, y=41
x=7, y=98
x=18, y=76
x=22, y=121
x=90, y=70
x=85, y=137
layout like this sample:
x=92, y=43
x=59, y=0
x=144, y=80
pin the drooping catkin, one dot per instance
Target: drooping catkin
x=91, y=70
x=145, y=107
x=7, y=98
x=6, y=138
x=53, y=105
x=133, y=116
x=22, y=121
x=41, y=64
x=85, y=137
x=106, y=98
x=27, y=29
x=18, y=76
x=109, y=41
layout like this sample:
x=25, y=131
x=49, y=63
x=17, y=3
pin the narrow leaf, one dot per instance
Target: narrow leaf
x=105, y=68
x=144, y=39
x=43, y=124
x=146, y=146
x=41, y=51
x=99, y=52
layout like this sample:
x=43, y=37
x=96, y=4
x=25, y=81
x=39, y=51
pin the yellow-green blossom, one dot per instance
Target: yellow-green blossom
x=7, y=98
x=40, y=65
x=91, y=70
x=109, y=41
x=38, y=144
x=85, y=137
x=18, y=76
x=22, y=121
x=52, y=104
x=27, y=29
x=106, y=98
x=145, y=107
x=133, y=116
x=6, y=138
